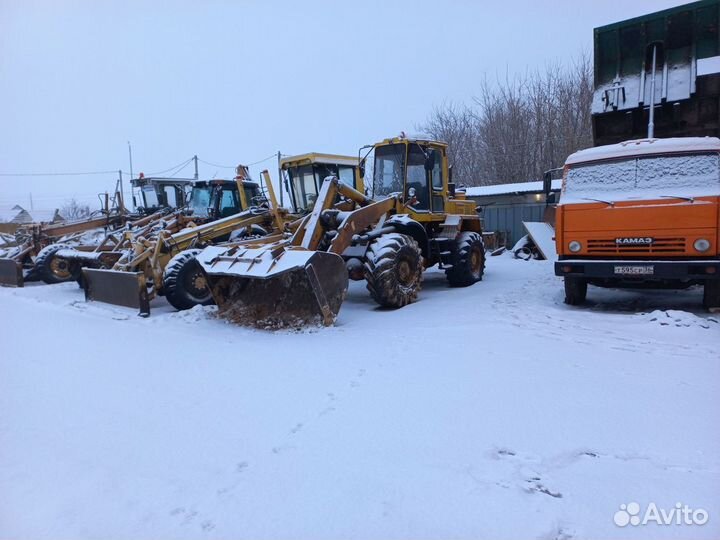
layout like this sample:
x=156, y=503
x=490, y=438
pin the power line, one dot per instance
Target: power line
x=61, y=173
x=235, y=166
x=179, y=166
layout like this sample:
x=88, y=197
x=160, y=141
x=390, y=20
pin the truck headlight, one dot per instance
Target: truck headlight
x=575, y=246
x=701, y=244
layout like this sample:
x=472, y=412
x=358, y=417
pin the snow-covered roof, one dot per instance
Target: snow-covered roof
x=644, y=147
x=44, y=216
x=12, y=213
x=535, y=186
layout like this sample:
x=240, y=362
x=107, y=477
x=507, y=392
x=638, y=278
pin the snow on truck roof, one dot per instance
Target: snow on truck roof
x=645, y=147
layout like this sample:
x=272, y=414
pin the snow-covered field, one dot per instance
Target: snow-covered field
x=489, y=412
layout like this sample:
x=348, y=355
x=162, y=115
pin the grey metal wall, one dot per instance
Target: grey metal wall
x=509, y=218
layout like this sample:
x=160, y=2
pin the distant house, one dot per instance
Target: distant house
x=18, y=215
x=506, y=206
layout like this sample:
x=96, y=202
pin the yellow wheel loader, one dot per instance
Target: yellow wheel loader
x=415, y=219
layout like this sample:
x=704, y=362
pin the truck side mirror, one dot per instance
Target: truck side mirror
x=547, y=182
x=451, y=189
x=361, y=167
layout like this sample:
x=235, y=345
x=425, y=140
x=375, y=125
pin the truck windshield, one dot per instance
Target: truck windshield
x=200, y=201
x=388, y=169
x=687, y=175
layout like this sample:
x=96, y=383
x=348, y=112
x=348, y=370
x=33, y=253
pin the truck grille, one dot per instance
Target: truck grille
x=664, y=246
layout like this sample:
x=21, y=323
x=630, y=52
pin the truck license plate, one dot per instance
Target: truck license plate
x=645, y=270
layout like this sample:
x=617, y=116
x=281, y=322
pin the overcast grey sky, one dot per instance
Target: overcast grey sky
x=235, y=81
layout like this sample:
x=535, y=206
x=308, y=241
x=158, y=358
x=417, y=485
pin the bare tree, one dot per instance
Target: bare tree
x=517, y=128
x=73, y=210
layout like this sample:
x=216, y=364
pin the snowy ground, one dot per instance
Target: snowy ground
x=494, y=411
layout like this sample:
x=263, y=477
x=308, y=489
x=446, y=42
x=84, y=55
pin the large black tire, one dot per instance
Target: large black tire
x=711, y=295
x=575, y=291
x=184, y=283
x=468, y=261
x=52, y=269
x=393, y=270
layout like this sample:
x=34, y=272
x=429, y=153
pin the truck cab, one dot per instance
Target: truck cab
x=642, y=213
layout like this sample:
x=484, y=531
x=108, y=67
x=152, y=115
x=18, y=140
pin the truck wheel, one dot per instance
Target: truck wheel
x=184, y=282
x=469, y=263
x=53, y=269
x=393, y=270
x=575, y=291
x=711, y=295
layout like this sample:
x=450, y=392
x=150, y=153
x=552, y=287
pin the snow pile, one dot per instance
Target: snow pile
x=672, y=317
x=645, y=178
x=195, y=314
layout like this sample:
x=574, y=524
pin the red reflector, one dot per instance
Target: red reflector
x=710, y=270
x=567, y=269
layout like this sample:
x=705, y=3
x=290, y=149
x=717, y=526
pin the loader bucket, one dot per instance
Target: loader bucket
x=276, y=288
x=114, y=287
x=11, y=273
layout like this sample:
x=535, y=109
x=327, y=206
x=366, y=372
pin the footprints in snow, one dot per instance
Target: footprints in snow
x=188, y=516
x=531, y=471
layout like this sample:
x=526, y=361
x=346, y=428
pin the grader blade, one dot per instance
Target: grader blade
x=11, y=274
x=276, y=288
x=120, y=288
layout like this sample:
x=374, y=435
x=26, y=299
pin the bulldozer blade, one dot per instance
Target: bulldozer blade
x=276, y=288
x=120, y=288
x=11, y=274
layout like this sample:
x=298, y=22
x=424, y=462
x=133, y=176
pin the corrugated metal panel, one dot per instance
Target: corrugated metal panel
x=509, y=218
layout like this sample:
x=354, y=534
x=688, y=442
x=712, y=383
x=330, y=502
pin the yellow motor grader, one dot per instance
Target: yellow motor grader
x=129, y=269
x=33, y=257
x=413, y=219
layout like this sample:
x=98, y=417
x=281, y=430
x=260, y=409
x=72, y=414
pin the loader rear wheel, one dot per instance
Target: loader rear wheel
x=184, y=282
x=575, y=291
x=469, y=264
x=393, y=270
x=53, y=269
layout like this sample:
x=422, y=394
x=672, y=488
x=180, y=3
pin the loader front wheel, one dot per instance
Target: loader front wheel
x=393, y=270
x=53, y=269
x=184, y=283
x=469, y=264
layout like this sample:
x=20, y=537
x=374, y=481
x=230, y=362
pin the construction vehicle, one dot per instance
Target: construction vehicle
x=645, y=213
x=158, y=260
x=33, y=257
x=303, y=175
x=152, y=194
x=413, y=219
x=641, y=214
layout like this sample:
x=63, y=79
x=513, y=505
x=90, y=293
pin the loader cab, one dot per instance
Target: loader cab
x=416, y=169
x=303, y=176
x=152, y=194
x=216, y=199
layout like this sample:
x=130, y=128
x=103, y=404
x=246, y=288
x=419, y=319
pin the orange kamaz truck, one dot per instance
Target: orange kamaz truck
x=640, y=209
x=641, y=213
